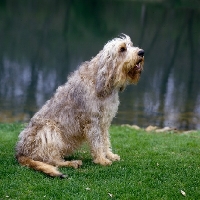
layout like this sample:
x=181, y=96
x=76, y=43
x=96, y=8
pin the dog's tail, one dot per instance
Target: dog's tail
x=40, y=166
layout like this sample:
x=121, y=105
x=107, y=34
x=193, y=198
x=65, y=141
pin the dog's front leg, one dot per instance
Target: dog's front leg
x=107, y=148
x=111, y=156
x=95, y=139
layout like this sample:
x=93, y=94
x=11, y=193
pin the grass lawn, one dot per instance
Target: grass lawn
x=152, y=166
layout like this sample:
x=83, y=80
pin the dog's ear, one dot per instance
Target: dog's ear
x=102, y=89
x=104, y=82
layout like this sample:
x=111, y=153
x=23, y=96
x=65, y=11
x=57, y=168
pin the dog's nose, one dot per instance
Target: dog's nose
x=141, y=52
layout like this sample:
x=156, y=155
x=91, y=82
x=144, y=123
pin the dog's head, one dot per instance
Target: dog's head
x=120, y=64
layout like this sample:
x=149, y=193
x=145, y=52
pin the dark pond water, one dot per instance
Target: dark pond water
x=41, y=42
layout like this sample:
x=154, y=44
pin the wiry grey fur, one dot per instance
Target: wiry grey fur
x=81, y=110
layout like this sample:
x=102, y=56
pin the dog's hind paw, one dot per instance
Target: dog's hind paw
x=102, y=161
x=76, y=163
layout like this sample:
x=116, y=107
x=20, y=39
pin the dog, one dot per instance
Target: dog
x=81, y=110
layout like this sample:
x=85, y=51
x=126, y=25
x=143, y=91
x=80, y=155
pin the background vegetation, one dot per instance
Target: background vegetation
x=43, y=41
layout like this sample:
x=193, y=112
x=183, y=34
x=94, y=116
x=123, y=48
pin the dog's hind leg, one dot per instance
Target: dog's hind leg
x=74, y=163
x=40, y=166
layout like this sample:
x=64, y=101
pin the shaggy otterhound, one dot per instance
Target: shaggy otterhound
x=81, y=110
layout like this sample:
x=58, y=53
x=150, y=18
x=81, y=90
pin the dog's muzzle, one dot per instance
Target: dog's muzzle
x=141, y=53
x=139, y=65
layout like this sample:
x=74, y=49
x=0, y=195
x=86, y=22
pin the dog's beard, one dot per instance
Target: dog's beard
x=128, y=73
x=134, y=72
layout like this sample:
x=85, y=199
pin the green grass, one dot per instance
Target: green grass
x=152, y=166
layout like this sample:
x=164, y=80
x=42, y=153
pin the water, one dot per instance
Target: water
x=41, y=42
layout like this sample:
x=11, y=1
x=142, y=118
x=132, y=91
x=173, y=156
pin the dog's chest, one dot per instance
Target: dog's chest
x=110, y=106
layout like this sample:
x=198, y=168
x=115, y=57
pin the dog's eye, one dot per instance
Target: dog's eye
x=122, y=49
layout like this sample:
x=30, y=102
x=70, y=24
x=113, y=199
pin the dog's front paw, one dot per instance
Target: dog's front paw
x=113, y=157
x=102, y=161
